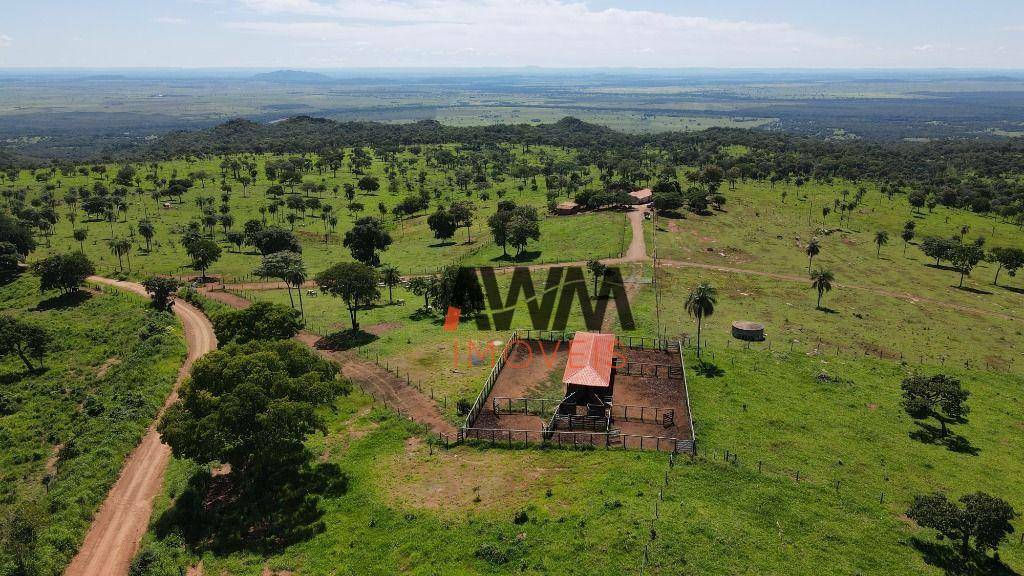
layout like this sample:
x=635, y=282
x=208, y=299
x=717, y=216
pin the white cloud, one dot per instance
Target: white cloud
x=5, y=41
x=531, y=32
x=924, y=48
x=170, y=20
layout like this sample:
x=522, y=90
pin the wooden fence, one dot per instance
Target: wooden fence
x=573, y=439
x=481, y=398
x=649, y=414
x=535, y=406
x=647, y=370
x=580, y=422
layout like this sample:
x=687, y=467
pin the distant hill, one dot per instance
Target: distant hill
x=293, y=77
x=304, y=133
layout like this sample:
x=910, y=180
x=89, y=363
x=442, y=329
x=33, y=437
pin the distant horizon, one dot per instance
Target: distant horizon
x=553, y=34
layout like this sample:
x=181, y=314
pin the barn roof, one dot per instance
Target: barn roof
x=590, y=360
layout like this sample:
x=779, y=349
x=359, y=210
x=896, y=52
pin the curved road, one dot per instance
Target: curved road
x=117, y=529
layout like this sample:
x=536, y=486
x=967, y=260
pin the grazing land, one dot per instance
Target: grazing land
x=806, y=455
x=67, y=426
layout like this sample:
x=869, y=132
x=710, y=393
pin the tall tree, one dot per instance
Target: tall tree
x=354, y=282
x=700, y=304
x=1012, y=259
x=881, y=239
x=147, y=231
x=80, y=235
x=821, y=280
x=390, y=277
x=366, y=238
x=203, y=252
x=964, y=258
x=812, y=250
x=907, y=235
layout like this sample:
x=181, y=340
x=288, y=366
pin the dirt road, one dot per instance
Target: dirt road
x=118, y=528
x=373, y=379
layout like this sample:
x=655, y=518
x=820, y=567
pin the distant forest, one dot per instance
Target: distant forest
x=983, y=176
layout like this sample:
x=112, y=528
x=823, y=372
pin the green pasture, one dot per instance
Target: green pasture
x=67, y=427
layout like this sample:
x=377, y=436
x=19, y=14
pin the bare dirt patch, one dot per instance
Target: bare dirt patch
x=382, y=328
x=107, y=365
x=461, y=480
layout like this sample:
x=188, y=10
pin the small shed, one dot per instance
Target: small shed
x=567, y=208
x=588, y=369
x=644, y=196
x=748, y=331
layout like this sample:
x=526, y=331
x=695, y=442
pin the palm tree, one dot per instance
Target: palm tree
x=147, y=231
x=881, y=239
x=80, y=235
x=822, y=281
x=296, y=276
x=120, y=247
x=907, y=236
x=701, y=304
x=390, y=277
x=813, y=249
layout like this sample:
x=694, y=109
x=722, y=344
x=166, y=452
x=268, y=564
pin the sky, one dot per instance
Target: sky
x=310, y=34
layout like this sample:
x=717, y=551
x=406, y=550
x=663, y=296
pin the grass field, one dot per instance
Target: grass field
x=69, y=426
x=590, y=512
x=760, y=231
x=826, y=462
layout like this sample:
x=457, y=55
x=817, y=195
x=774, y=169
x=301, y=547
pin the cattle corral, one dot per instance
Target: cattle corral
x=644, y=404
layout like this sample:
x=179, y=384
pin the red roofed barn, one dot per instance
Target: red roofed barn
x=589, y=366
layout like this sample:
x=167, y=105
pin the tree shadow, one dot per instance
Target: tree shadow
x=64, y=301
x=709, y=370
x=943, y=267
x=827, y=310
x=671, y=214
x=15, y=377
x=227, y=513
x=422, y=313
x=345, y=340
x=973, y=290
x=524, y=256
x=9, y=276
x=1013, y=289
x=931, y=434
x=444, y=244
x=953, y=563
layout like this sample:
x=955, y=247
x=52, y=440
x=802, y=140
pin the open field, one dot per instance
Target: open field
x=822, y=460
x=590, y=511
x=66, y=428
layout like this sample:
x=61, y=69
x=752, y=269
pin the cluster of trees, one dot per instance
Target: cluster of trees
x=445, y=221
x=514, y=225
x=963, y=257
